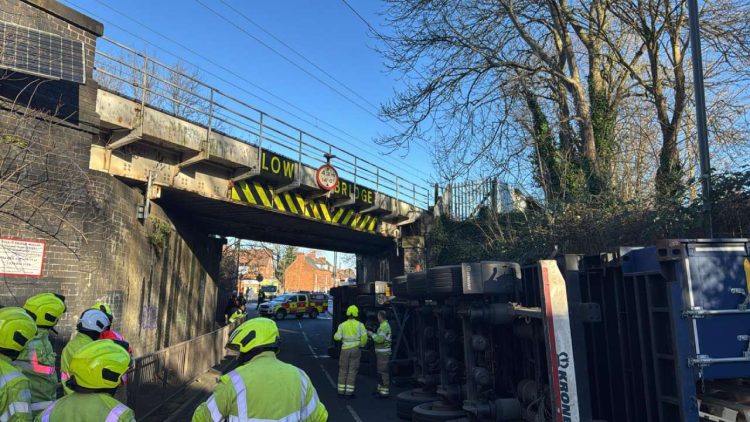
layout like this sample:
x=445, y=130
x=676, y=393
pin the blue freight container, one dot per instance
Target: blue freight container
x=689, y=299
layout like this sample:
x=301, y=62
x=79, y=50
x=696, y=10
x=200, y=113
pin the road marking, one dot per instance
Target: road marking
x=307, y=340
x=328, y=376
x=353, y=413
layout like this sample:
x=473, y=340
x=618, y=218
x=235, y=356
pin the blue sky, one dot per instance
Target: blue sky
x=326, y=32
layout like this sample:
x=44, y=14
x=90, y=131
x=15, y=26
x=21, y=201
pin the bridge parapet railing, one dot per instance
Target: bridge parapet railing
x=159, y=376
x=177, y=90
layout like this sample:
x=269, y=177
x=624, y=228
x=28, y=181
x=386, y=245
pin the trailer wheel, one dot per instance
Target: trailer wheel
x=416, y=284
x=406, y=401
x=444, y=280
x=436, y=411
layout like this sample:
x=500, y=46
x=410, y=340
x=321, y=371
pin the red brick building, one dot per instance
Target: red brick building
x=256, y=261
x=308, y=272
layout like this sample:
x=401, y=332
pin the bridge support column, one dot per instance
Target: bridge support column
x=407, y=257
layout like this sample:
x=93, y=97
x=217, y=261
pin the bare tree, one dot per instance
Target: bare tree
x=42, y=185
x=559, y=87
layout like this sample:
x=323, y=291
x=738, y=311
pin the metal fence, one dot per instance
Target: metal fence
x=178, y=91
x=161, y=375
x=464, y=201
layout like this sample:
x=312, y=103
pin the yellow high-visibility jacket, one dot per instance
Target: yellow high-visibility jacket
x=87, y=407
x=263, y=389
x=382, y=338
x=15, y=396
x=351, y=333
x=37, y=363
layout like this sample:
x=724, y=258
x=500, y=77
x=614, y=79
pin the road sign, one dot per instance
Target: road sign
x=327, y=177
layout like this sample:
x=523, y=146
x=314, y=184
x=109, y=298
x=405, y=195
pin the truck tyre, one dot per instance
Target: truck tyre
x=399, y=286
x=444, y=280
x=366, y=288
x=314, y=313
x=435, y=411
x=406, y=401
x=416, y=284
x=280, y=314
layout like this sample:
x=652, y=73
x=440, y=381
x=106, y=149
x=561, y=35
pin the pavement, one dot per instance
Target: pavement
x=305, y=344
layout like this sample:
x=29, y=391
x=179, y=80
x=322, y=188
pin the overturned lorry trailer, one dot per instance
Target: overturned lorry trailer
x=656, y=333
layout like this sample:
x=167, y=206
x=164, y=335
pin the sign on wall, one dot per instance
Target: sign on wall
x=21, y=257
x=277, y=166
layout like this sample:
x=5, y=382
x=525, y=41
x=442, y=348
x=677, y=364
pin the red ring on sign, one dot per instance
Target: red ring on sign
x=320, y=182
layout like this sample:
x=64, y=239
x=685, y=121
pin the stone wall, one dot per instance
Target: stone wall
x=162, y=291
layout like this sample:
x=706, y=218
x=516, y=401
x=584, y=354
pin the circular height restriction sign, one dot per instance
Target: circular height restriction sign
x=327, y=177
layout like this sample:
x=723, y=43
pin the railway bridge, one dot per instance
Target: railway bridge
x=134, y=172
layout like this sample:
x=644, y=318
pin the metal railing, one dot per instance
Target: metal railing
x=176, y=90
x=159, y=376
x=464, y=201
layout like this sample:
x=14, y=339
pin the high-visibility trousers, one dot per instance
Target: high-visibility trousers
x=348, y=367
x=384, y=379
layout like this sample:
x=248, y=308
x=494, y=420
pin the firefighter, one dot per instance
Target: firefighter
x=382, y=340
x=90, y=326
x=262, y=387
x=239, y=313
x=95, y=372
x=352, y=334
x=109, y=333
x=37, y=360
x=17, y=328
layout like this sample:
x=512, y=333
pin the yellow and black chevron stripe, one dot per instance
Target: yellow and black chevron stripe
x=261, y=195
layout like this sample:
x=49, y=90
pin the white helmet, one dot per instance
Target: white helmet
x=93, y=320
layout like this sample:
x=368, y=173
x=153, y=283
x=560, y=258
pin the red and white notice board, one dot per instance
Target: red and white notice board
x=23, y=258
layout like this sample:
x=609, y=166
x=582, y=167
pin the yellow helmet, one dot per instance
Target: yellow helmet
x=254, y=333
x=16, y=328
x=45, y=308
x=352, y=311
x=104, y=308
x=100, y=365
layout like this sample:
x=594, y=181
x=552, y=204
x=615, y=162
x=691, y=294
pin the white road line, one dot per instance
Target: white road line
x=353, y=413
x=328, y=376
x=307, y=340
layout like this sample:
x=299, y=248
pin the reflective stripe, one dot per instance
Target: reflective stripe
x=64, y=376
x=239, y=389
x=10, y=376
x=41, y=405
x=303, y=391
x=116, y=412
x=388, y=350
x=13, y=408
x=38, y=367
x=45, y=415
x=214, y=409
x=309, y=409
